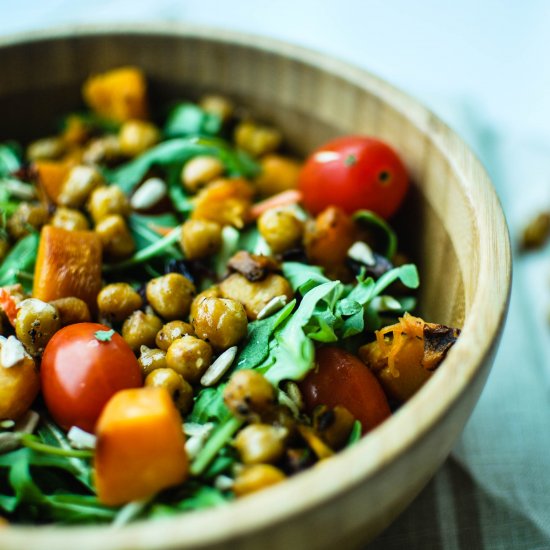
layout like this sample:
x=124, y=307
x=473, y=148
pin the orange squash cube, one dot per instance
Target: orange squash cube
x=68, y=264
x=119, y=94
x=140, y=446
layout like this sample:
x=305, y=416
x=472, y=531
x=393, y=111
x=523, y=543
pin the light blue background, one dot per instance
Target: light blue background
x=484, y=66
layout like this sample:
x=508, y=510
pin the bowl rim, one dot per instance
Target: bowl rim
x=363, y=460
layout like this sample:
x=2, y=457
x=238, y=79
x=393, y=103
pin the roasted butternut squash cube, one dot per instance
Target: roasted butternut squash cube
x=140, y=446
x=68, y=264
x=119, y=94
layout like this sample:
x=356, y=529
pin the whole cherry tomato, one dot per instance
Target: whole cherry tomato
x=354, y=173
x=83, y=366
x=342, y=379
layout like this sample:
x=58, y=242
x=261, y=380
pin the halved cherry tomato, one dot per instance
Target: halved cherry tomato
x=80, y=372
x=354, y=173
x=342, y=379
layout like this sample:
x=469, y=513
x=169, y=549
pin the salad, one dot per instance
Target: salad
x=188, y=313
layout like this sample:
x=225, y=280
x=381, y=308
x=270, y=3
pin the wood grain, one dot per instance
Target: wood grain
x=455, y=230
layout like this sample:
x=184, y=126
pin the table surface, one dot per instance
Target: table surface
x=482, y=66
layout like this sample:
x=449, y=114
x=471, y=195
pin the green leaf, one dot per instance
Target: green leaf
x=372, y=219
x=355, y=434
x=188, y=119
x=154, y=250
x=303, y=277
x=292, y=352
x=143, y=235
x=21, y=257
x=104, y=335
x=230, y=245
x=209, y=406
x=174, y=153
x=221, y=436
x=10, y=159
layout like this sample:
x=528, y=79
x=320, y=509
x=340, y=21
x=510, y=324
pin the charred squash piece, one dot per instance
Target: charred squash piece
x=253, y=266
x=68, y=264
x=405, y=355
x=51, y=176
x=119, y=94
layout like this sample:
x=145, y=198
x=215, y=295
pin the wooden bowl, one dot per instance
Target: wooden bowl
x=456, y=232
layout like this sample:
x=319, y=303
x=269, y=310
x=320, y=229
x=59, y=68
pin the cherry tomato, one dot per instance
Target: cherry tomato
x=80, y=372
x=354, y=173
x=342, y=379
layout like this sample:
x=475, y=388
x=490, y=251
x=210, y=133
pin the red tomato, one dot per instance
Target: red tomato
x=354, y=173
x=80, y=373
x=342, y=379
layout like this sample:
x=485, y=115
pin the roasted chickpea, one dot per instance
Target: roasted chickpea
x=170, y=295
x=179, y=389
x=151, y=359
x=140, y=329
x=199, y=171
x=212, y=292
x=257, y=139
x=333, y=425
x=277, y=174
x=172, y=331
x=19, y=385
x=107, y=200
x=249, y=395
x=69, y=219
x=80, y=182
x=220, y=321
x=117, y=300
x=256, y=477
x=47, y=148
x=26, y=218
x=217, y=105
x=200, y=238
x=260, y=443
x=254, y=296
x=102, y=150
x=190, y=357
x=72, y=310
x=136, y=136
x=35, y=324
x=115, y=237
x=281, y=229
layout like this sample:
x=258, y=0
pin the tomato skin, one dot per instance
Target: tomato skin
x=342, y=379
x=80, y=374
x=354, y=173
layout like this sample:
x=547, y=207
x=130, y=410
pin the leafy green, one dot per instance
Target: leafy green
x=21, y=257
x=303, y=277
x=355, y=434
x=143, y=235
x=155, y=249
x=174, y=153
x=10, y=159
x=372, y=219
x=292, y=351
x=217, y=440
x=230, y=245
x=188, y=119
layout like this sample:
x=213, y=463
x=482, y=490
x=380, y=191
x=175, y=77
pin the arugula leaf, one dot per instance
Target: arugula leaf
x=155, y=249
x=230, y=245
x=187, y=119
x=21, y=257
x=373, y=219
x=10, y=159
x=175, y=152
x=303, y=277
x=292, y=353
x=143, y=235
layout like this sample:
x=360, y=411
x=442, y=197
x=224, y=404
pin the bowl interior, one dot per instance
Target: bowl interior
x=452, y=227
